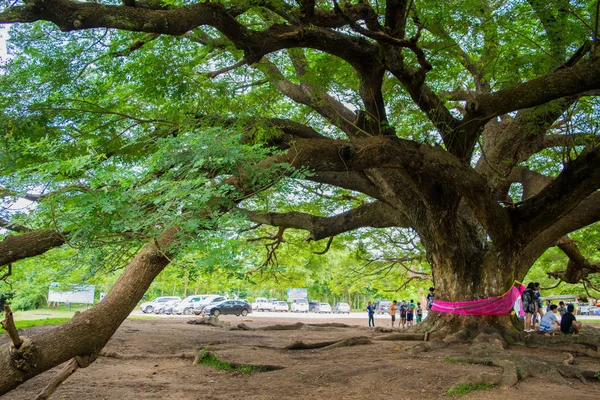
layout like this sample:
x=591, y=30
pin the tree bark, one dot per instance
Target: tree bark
x=88, y=332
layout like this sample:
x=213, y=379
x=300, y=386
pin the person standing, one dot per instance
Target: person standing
x=410, y=312
x=419, y=312
x=393, y=311
x=371, y=311
x=528, y=300
x=403, y=309
x=538, y=303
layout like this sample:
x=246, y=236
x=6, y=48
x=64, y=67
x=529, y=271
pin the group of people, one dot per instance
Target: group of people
x=406, y=310
x=549, y=322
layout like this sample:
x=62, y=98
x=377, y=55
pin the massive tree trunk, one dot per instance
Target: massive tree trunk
x=89, y=331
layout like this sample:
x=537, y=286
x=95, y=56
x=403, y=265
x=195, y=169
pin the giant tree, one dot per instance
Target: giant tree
x=470, y=122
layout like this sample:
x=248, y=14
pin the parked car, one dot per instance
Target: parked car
x=209, y=300
x=323, y=308
x=341, y=308
x=187, y=305
x=149, y=306
x=299, y=305
x=256, y=303
x=382, y=306
x=281, y=306
x=312, y=305
x=167, y=307
x=235, y=307
x=262, y=304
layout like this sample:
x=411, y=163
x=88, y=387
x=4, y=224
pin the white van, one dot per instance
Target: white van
x=299, y=305
x=262, y=304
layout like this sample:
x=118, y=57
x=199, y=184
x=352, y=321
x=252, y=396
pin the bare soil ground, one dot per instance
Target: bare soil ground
x=155, y=363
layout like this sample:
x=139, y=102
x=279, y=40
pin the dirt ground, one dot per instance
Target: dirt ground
x=155, y=363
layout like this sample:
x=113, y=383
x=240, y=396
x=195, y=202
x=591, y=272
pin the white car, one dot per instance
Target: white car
x=299, y=305
x=281, y=306
x=210, y=299
x=323, y=308
x=341, y=308
x=159, y=302
x=262, y=304
x=187, y=305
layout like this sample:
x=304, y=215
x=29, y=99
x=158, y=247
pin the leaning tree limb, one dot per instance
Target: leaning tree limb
x=88, y=332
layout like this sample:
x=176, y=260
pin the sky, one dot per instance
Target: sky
x=3, y=36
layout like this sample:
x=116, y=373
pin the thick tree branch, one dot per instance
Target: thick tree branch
x=375, y=215
x=30, y=244
x=328, y=107
x=70, y=15
x=578, y=180
x=13, y=227
x=563, y=82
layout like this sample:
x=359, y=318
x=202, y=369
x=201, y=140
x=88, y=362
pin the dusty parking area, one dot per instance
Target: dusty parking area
x=152, y=359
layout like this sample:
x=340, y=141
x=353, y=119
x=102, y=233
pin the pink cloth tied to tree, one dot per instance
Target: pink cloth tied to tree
x=497, y=305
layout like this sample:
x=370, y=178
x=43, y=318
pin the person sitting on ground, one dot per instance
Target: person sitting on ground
x=393, y=311
x=549, y=323
x=430, y=297
x=568, y=323
x=561, y=308
x=528, y=300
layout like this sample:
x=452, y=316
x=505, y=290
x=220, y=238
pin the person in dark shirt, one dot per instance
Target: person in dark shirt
x=568, y=322
x=371, y=311
x=528, y=301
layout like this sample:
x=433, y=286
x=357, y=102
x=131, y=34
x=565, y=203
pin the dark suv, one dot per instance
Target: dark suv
x=312, y=305
x=382, y=306
x=236, y=307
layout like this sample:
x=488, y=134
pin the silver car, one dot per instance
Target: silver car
x=149, y=306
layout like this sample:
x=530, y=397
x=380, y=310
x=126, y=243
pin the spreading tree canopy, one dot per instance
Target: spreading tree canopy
x=471, y=122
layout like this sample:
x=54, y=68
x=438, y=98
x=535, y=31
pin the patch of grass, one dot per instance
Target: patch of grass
x=455, y=360
x=38, y=322
x=463, y=388
x=143, y=318
x=209, y=359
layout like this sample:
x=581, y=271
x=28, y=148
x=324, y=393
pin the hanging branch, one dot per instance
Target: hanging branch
x=326, y=247
x=7, y=274
x=553, y=287
x=9, y=326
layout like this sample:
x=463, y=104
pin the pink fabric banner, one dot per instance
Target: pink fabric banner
x=497, y=305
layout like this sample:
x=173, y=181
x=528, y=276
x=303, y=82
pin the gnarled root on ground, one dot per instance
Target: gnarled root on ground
x=488, y=349
x=353, y=341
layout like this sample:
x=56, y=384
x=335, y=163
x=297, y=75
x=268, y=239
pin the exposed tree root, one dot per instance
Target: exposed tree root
x=335, y=325
x=283, y=327
x=403, y=336
x=488, y=350
x=212, y=321
x=309, y=346
x=353, y=341
x=119, y=356
x=356, y=341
